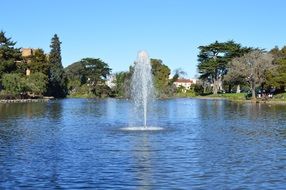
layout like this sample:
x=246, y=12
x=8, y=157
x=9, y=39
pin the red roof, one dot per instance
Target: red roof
x=184, y=80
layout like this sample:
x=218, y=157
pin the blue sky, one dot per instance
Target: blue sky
x=115, y=30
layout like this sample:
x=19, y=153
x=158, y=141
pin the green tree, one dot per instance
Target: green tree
x=76, y=78
x=8, y=55
x=278, y=79
x=88, y=74
x=122, y=83
x=76, y=72
x=14, y=83
x=161, y=73
x=37, y=83
x=39, y=62
x=95, y=70
x=57, y=78
x=213, y=61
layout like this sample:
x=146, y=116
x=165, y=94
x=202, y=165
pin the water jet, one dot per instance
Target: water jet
x=142, y=91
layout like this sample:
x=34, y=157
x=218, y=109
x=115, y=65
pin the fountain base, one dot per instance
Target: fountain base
x=142, y=128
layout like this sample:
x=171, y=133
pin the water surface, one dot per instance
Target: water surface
x=205, y=144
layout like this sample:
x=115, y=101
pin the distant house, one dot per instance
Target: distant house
x=110, y=82
x=186, y=83
x=27, y=52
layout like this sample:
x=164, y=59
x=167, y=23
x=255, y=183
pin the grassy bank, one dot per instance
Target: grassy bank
x=81, y=96
x=229, y=96
x=185, y=95
x=278, y=98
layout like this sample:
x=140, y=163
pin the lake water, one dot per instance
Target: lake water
x=205, y=144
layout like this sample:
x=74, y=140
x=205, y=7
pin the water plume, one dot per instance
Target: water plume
x=142, y=89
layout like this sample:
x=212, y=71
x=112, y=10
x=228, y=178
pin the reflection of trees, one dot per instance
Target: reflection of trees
x=15, y=110
x=55, y=109
x=211, y=109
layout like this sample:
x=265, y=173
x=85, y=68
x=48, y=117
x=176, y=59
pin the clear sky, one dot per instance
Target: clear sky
x=115, y=30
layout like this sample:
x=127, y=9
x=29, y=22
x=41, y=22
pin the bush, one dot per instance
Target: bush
x=4, y=95
x=37, y=83
x=14, y=83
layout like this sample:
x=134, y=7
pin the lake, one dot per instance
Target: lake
x=205, y=144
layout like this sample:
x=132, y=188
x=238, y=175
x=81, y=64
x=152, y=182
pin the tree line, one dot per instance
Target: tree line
x=47, y=76
x=226, y=65
x=223, y=67
x=84, y=78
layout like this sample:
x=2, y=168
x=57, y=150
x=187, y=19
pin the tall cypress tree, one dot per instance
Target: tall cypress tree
x=57, y=77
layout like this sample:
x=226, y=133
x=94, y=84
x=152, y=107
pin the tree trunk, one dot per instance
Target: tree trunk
x=252, y=86
x=215, y=87
x=205, y=89
x=253, y=94
x=238, y=88
x=219, y=82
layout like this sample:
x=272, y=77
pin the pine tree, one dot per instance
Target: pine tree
x=57, y=77
x=8, y=55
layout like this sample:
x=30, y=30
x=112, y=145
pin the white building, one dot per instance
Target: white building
x=110, y=82
x=186, y=83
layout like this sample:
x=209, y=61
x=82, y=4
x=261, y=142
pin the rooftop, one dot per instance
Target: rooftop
x=182, y=80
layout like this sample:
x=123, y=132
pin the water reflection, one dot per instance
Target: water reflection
x=206, y=144
x=16, y=110
x=142, y=161
x=55, y=110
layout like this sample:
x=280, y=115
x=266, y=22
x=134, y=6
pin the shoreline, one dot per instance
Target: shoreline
x=273, y=101
x=5, y=101
x=24, y=100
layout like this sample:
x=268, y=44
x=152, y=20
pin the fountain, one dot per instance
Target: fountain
x=142, y=90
